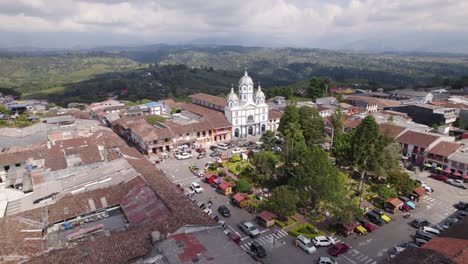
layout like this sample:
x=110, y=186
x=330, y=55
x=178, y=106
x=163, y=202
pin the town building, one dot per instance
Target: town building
x=458, y=161
x=411, y=96
x=326, y=101
x=324, y=111
x=104, y=104
x=427, y=114
x=438, y=156
x=209, y=101
x=415, y=144
x=371, y=104
x=248, y=112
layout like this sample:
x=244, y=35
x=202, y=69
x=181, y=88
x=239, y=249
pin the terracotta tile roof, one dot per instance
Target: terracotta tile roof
x=267, y=215
x=395, y=202
x=420, y=255
x=391, y=130
x=419, y=191
x=417, y=138
x=169, y=102
x=274, y=114
x=381, y=103
x=444, y=148
x=215, y=100
x=239, y=197
x=453, y=248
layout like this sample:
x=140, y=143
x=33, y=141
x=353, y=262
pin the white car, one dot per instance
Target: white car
x=207, y=211
x=427, y=188
x=196, y=187
x=430, y=230
x=326, y=260
x=237, y=151
x=223, y=146
x=322, y=241
x=457, y=183
x=183, y=156
x=305, y=243
x=249, y=229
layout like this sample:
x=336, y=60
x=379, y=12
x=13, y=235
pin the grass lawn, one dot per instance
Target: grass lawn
x=306, y=230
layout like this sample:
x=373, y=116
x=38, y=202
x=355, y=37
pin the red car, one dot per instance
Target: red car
x=200, y=150
x=405, y=208
x=370, y=227
x=439, y=177
x=338, y=249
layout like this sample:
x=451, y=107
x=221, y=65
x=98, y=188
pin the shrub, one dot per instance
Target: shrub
x=222, y=174
x=236, y=158
x=306, y=230
x=289, y=221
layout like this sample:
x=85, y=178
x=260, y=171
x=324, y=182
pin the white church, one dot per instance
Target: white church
x=248, y=111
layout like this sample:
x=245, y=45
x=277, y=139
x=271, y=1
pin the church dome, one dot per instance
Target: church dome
x=245, y=80
x=259, y=94
x=232, y=96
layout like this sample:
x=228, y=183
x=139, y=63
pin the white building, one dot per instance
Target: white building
x=248, y=112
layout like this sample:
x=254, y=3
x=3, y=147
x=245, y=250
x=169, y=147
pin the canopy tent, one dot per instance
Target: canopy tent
x=465, y=177
x=457, y=174
x=439, y=168
x=410, y=204
x=448, y=171
x=427, y=165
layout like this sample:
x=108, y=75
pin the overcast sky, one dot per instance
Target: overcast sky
x=304, y=23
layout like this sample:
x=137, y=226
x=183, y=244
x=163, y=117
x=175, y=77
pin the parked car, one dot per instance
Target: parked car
x=326, y=260
x=201, y=155
x=237, y=151
x=213, y=147
x=258, y=249
x=360, y=230
x=305, y=243
x=223, y=146
x=441, y=227
x=408, y=245
x=424, y=235
x=382, y=215
x=439, y=177
x=200, y=150
x=405, y=207
x=183, y=156
x=461, y=205
x=460, y=214
x=322, y=241
x=430, y=230
x=419, y=242
x=201, y=205
x=419, y=222
x=374, y=218
x=224, y=211
x=451, y=220
x=216, y=154
x=370, y=227
x=427, y=188
x=338, y=249
x=456, y=183
x=196, y=187
x=249, y=229
x=207, y=211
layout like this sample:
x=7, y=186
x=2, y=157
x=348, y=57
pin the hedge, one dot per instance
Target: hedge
x=285, y=224
x=306, y=230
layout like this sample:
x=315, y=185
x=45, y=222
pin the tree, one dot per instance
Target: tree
x=4, y=110
x=282, y=202
x=366, y=147
x=290, y=117
x=342, y=147
x=317, y=87
x=337, y=120
x=265, y=163
x=401, y=181
x=385, y=192
x=242, y=185
x=268, y=139
x=312, y=126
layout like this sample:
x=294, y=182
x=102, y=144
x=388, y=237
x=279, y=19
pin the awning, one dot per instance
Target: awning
x=411, y=204
x=457, y=174
x=465, y=177
x=439, y=168
x=427, y=165
x=448, y=171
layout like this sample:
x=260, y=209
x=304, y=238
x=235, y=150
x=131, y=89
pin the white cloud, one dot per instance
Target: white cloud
x=294, y=22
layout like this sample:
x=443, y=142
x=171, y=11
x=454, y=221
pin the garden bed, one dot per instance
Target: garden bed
x=283, y=224
x=306, y=230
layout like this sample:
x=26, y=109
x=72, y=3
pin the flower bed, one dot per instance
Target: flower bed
x=283, y=224
x=306, y=230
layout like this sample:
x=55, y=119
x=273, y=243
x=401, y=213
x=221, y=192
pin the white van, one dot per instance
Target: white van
x=430, y=230
x=223, y=146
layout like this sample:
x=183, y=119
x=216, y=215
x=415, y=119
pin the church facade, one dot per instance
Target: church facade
x=248, y=111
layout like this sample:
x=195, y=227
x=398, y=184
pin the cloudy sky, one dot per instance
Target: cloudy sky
x=379, y=24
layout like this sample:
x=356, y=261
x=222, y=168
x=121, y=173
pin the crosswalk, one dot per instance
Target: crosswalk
x=187, y=182
x=265, y=240
x=354, y=256
x=435, y=202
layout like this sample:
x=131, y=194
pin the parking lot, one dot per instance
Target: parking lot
x=369, y=249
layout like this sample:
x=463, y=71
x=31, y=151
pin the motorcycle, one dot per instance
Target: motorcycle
x=406, y=215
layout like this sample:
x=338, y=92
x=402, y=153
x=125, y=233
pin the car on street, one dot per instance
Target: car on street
x=216, y=154
x=223, y=146
x=374, y=218
x=427, y=188
x=201, y=205
x=207, y=211
x=184, y=155
x=326, y=260
x=370, y=227
x=224, y=211
x=338, y=249
x=441, y=227
x=258, y=249
x=249, y=228
x=456, y=183
x=382, y=215
x=213, y=147
x=419, y=222
x=408, y=245
x=430, y=230
x=424, y=235
x=460, y=214
x=360, y=230
x=237, y=151
x=305, y=243
x=200, y=150
x=201, y=155
x=451, y=220
x=322, y=241
x=419, y=242
x=461, y=205
x=405, y=207
x=439, y=177
x=196, y=187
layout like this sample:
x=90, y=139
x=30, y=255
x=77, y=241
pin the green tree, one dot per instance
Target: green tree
x=317, y=87
x=268, y=139
x=385, y=192
x=366, y=147
x=312, y=126
x=242, y=185
x=401, y=181
x=236, y=158
x=265, y=163
x=4, y=110
x=345, y=209
x=342, y=147
x=290, y=118
x=283, y=202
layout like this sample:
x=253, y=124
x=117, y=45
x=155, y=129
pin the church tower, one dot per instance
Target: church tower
x=246, y=89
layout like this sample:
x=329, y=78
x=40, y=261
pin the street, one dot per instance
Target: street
x=368, y=249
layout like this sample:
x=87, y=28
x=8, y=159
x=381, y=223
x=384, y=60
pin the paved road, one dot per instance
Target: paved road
x=370, y=249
